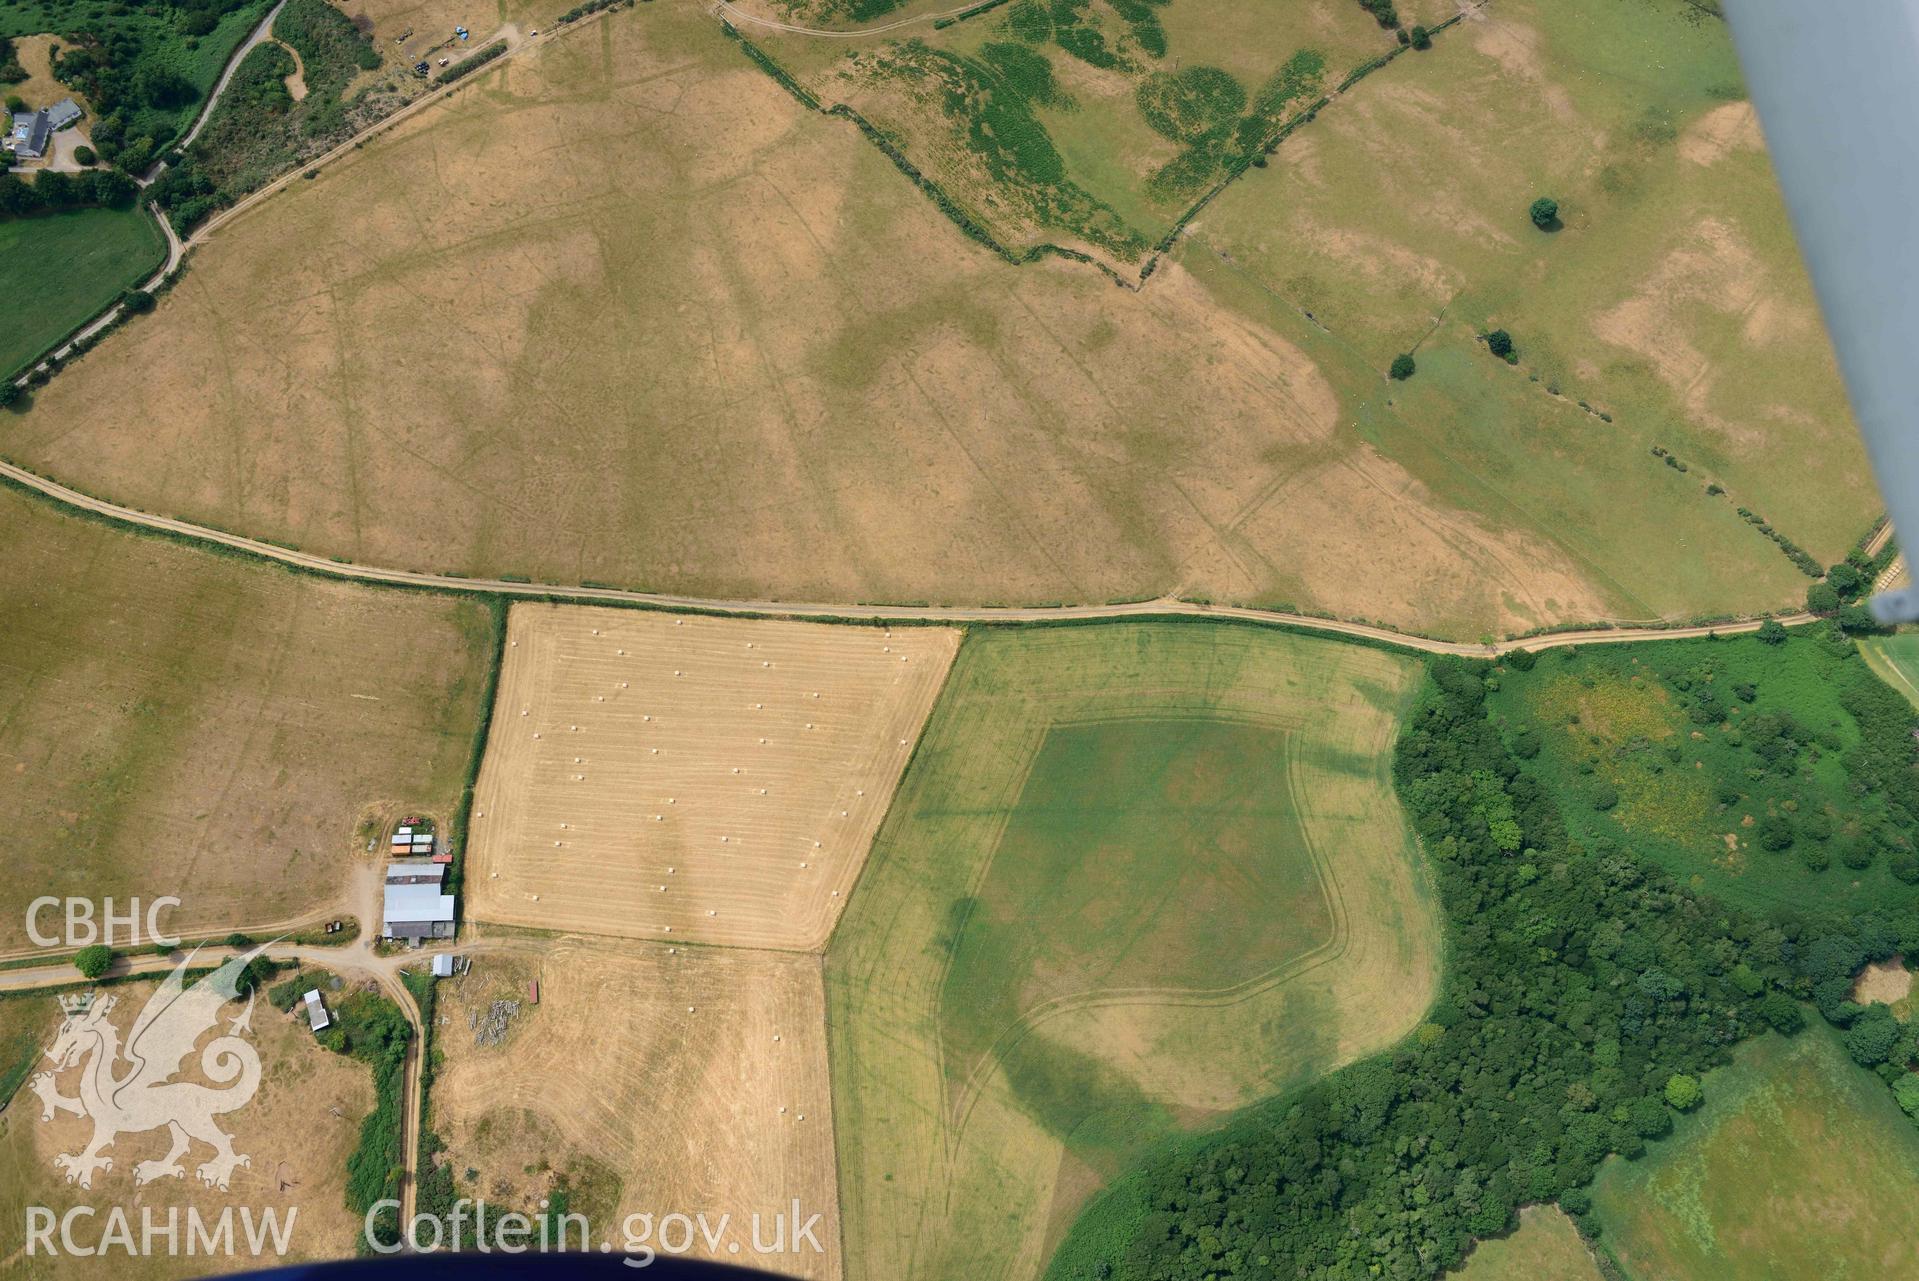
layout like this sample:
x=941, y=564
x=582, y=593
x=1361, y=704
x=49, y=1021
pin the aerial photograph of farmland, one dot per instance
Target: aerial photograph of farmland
x=959, y=640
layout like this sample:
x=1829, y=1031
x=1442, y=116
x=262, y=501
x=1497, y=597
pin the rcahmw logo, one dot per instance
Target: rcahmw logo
x=84, y=1232
x=129, y=1089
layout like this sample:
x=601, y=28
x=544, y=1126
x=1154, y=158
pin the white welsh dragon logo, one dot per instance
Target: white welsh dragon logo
x=144, y=1096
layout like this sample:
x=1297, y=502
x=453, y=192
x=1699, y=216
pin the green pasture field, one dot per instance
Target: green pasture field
x=1482, y=438
x=175, y=722
x=1666, y=728
x=1115, y=845
x=58, y=270
x=1896, y=659
x=1039, y=116
x=1544, y=1247
x=1669, y=298
x=1798, y=1164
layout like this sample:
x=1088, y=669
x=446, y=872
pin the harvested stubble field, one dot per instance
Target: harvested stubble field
x=646, y=1081
x=1798, y=1164
x=297, y=1131
x=174, y=722
x=622, y=310
x=1115, y=844
x=715, y=780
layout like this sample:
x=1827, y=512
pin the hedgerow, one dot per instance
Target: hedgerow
x=53, y=191
x=471, y=63
x=990, y=102
x=372, y=1029
x=591, y=6
x=771, y=68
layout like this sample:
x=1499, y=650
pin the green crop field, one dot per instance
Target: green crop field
x=1545, y=1247
x=1751, y=769
x=57, y=270
x=1896, y=659
x=1114, y=844
x=1799, y=1164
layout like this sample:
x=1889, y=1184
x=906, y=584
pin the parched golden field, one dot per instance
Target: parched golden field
x=621, y=310
x=666, y=1080
x=297, y=1132
x=715, y=780
x=174, y=722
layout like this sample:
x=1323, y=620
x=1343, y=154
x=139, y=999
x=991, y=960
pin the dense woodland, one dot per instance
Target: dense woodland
x=1585, y=994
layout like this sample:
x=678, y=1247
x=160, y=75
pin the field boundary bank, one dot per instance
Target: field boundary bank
x=955, y=212
x=208, y=538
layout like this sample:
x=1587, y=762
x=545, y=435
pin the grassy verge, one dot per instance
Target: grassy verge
x=21, y=1026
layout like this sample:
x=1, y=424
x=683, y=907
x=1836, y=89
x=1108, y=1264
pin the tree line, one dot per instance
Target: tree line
x=52, y=191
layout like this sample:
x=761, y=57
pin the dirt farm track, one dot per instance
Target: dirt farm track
x=1165, y=608
x=700, y=779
